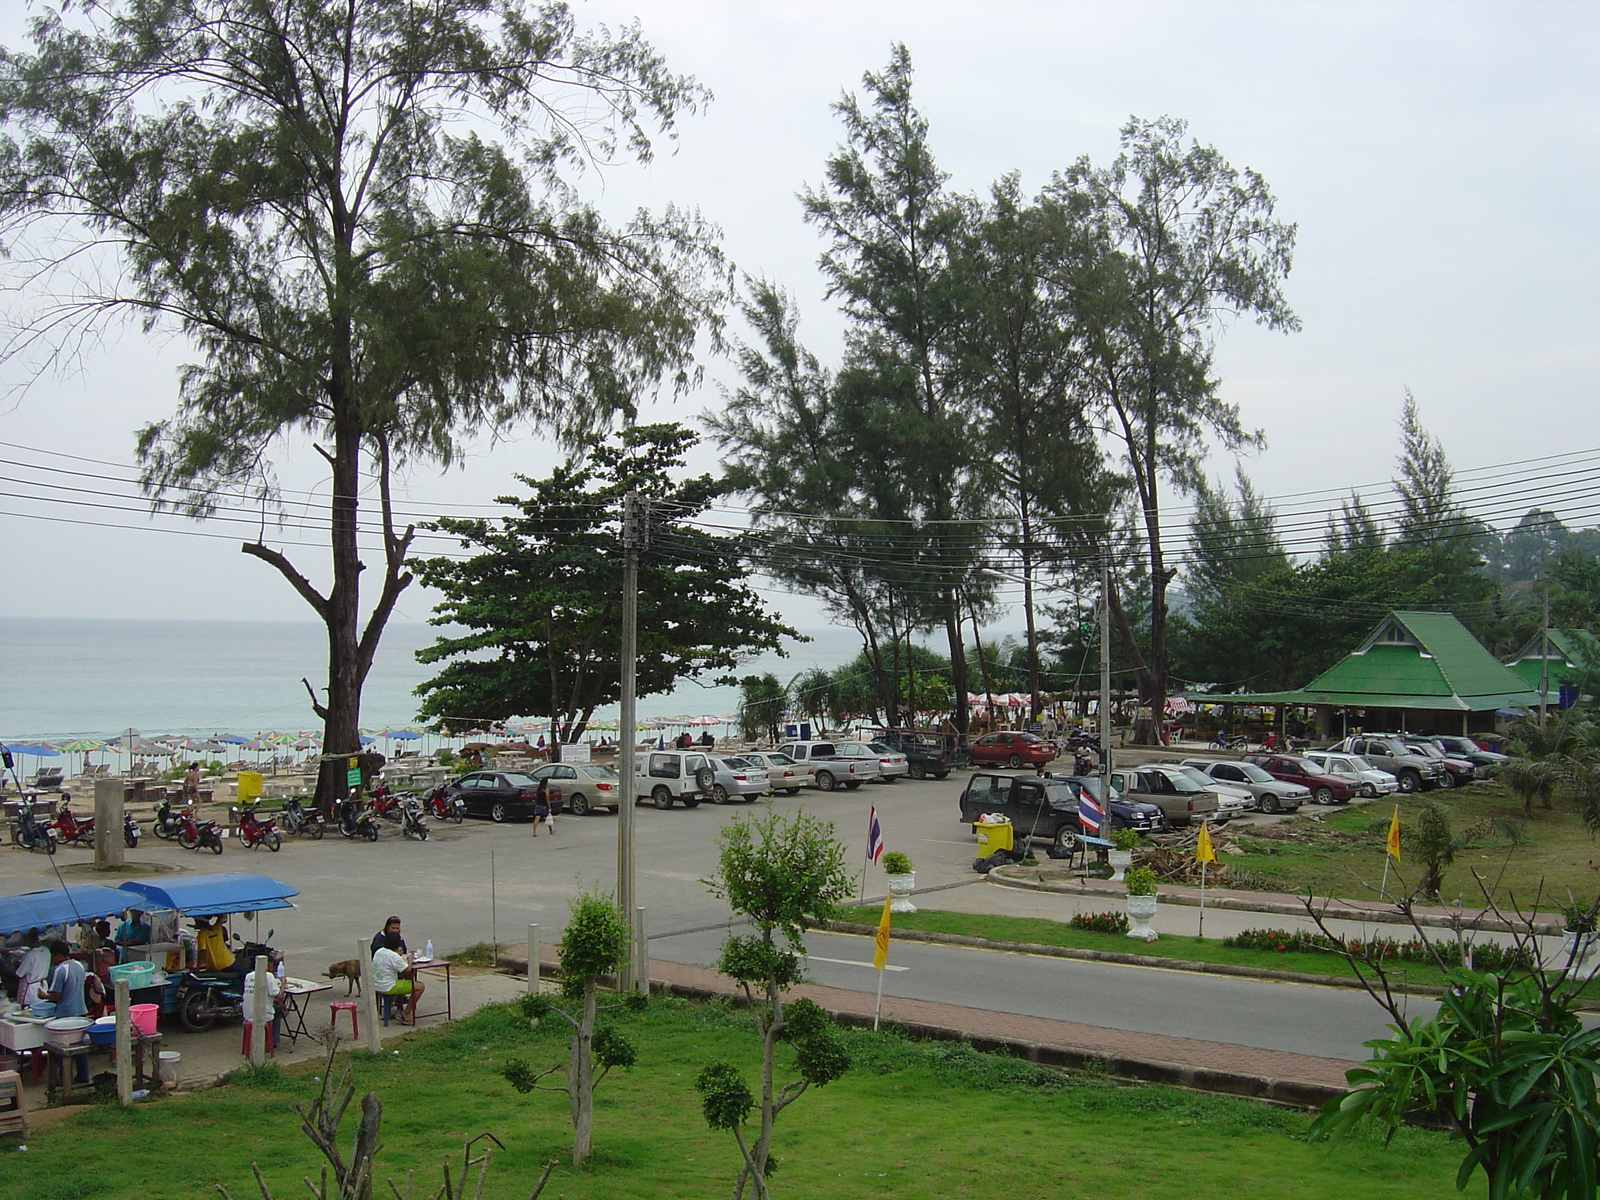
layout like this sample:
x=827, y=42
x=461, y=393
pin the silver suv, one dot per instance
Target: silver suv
x=665, y=776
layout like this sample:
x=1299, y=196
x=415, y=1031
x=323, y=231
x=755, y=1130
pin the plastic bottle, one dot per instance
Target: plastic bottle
x=280, y=971
x=427, y=949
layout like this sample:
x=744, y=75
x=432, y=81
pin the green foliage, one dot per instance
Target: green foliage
x=542, y=599
x=535, y=1006
x=756, y=960
x=1486, y=956
x=1103, y=922
x=762, y=703
x=1141, y=881
x=725, y=1097
x=1510, y=1066
x=1124, y=838
x=612, y=1048
x=786, y=873
x=896, y=863
x=595, y=940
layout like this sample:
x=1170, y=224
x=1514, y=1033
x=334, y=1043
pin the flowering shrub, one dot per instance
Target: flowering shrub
x=1486, y=956
x=1103, y=922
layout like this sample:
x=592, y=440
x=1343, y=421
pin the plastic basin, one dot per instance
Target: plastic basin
x=68, y=1031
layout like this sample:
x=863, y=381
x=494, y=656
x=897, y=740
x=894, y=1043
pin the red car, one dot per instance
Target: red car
x=1012, y=750
x=1291, y=768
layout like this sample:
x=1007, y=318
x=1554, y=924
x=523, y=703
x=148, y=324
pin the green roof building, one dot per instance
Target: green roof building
x=1566, y=651
x=1421, y=671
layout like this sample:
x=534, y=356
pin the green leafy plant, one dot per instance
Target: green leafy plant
x=1123, y=838
x=594, y=944
x=1102, y=922
x=1141, y=881
x=896, y=863
x=784, y=875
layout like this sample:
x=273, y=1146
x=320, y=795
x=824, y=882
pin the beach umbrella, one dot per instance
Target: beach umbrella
x=232, y=739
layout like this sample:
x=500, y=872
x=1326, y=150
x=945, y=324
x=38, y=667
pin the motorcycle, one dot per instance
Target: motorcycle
x=192, y=834
x=443, y=806
x=254, y=831
x=356, y=820
x=130, y=831
x=28, y=832
x=412, y=823
x=299, y=819
x=67, y=828
x=168, y=821
x=385, y=803
x=206, y=996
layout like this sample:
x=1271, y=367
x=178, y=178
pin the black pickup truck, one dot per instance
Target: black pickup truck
x=928, y=753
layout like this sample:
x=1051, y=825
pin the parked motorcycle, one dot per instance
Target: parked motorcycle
x=29, y=832
x=412, y=822
x=168, y=821
x=193, y=834
x=67, y=828
x=442, y=805
x=356, y=820
x=297, y=819
x=386, y=804
x=206, y=996
x=254, y=830
x=130, y=831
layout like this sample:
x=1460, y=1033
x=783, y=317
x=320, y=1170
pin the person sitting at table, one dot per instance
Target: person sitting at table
x=390, y=925
x=392, y=975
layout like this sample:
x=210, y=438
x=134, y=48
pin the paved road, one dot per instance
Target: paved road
x=480, y=881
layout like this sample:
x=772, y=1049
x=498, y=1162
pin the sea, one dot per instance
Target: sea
x=77, y=678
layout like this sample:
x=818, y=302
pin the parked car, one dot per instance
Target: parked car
x=1387, y=753
x=892, y=765
x=665, y=776
x=1045, y=806
x=1121, y=812
x=927, y=751
x=1292, y=768
x=786, y=774
x=1271, y=795
x=1463, y=747
x=831, y=768
x=1232, y=801
x=737, y=777
x=1012, y=749
x=584, y=786
x=501, y=795
x=1373, y=781
x=1458, y=771
x=1180, y=801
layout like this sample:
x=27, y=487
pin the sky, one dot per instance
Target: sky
x=1441, y=162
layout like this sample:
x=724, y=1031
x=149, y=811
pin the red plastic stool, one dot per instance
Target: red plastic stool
x=272, y=1040
x=338, y=1006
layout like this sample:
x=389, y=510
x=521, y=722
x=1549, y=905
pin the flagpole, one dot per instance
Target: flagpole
x=1383, y=888
x=877, y=1006
x=1202, y=898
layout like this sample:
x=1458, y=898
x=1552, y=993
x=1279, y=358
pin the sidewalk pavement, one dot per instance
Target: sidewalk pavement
x=1299, y=1080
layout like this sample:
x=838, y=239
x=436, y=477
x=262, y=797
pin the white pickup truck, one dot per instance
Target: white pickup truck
x=829, y=768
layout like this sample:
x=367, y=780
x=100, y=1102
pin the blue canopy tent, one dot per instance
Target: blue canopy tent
x=214, y=895
x=60, y=906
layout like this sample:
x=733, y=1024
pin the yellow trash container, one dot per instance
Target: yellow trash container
x=993, y=837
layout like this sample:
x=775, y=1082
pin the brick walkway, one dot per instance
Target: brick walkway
x=1299, y=1079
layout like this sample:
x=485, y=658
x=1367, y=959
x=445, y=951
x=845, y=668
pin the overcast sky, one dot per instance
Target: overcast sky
x=1439, y=159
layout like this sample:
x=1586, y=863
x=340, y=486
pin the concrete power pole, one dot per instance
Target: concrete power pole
x=1105, y=692
x=1544, y=659
x=632, y=539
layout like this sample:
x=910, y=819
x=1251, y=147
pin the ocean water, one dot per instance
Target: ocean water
x=95, y=678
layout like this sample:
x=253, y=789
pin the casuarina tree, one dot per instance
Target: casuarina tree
x=361, y=218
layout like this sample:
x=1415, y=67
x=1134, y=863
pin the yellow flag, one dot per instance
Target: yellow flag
x=880, y=952
x=1393, y=846
x=1202, y=847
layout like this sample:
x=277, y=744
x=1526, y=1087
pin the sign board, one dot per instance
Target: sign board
x=249, y=786
x=352, y=777
x=575, y=752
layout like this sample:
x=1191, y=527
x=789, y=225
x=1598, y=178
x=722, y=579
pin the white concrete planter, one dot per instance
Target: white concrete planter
x=1120, y=861
x=900, y=887
x=1585, y=945
x=1140, y=910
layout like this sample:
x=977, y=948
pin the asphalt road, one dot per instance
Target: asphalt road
x=480, y=882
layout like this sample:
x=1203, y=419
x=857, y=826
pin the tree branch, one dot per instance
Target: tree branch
x=288, y=570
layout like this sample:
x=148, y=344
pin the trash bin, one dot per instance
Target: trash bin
x=992, y=836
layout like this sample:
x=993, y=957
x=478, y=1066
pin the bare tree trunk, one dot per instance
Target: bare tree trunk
x=580, y=1077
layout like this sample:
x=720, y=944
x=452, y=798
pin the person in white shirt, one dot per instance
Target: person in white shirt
x=32, y=970
x=392, y=975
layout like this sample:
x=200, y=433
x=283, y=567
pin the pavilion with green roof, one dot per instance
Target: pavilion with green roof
x=1421, y=671
x=1559, y=656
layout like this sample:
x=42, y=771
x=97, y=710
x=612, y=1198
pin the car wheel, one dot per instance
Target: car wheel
x=1323, y=795
x=1369, y=792
x=1066, y=835
x=888, y=779
x=917, y=771
x=851, y=785
x=1269, y=803
x=719, y=793
x=497, y=812
x=824, y=781
x=791, y=791
x=1447, y=780
x=1014, y=761
x=662, y=796
x=1410, y=781
x=691, y=801
x=578, y=805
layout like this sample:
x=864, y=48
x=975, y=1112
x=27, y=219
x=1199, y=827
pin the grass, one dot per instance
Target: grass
x=912, y=1121
x=1040, y=931
x=479, y=954
x=1556, y=852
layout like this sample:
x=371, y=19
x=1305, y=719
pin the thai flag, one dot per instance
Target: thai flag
x=874, y=836
x=1090, y=813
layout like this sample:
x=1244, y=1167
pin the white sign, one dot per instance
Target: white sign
x=577, y=752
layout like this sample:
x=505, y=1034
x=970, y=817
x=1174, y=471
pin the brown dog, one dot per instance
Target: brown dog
x=350, y=971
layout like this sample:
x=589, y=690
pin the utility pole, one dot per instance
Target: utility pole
x=633, y=536
x=1544, y=658
x=1105, y=691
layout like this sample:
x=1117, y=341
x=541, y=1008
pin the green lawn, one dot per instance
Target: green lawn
x=1347, y=861
x=1043, y=932
x=913, y=1121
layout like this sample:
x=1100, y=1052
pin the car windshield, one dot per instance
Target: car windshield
x=599, y=771
x=780, y=760
x=518, y=779
x=1305, y=765
x=1198, y=778
x=1254, y=773
x=880, y=748
x=1091, y=784
x=1424, y=749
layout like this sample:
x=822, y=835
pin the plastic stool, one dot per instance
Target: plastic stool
x=386, y=1006
x=336, y=1007
x=272, y=1039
